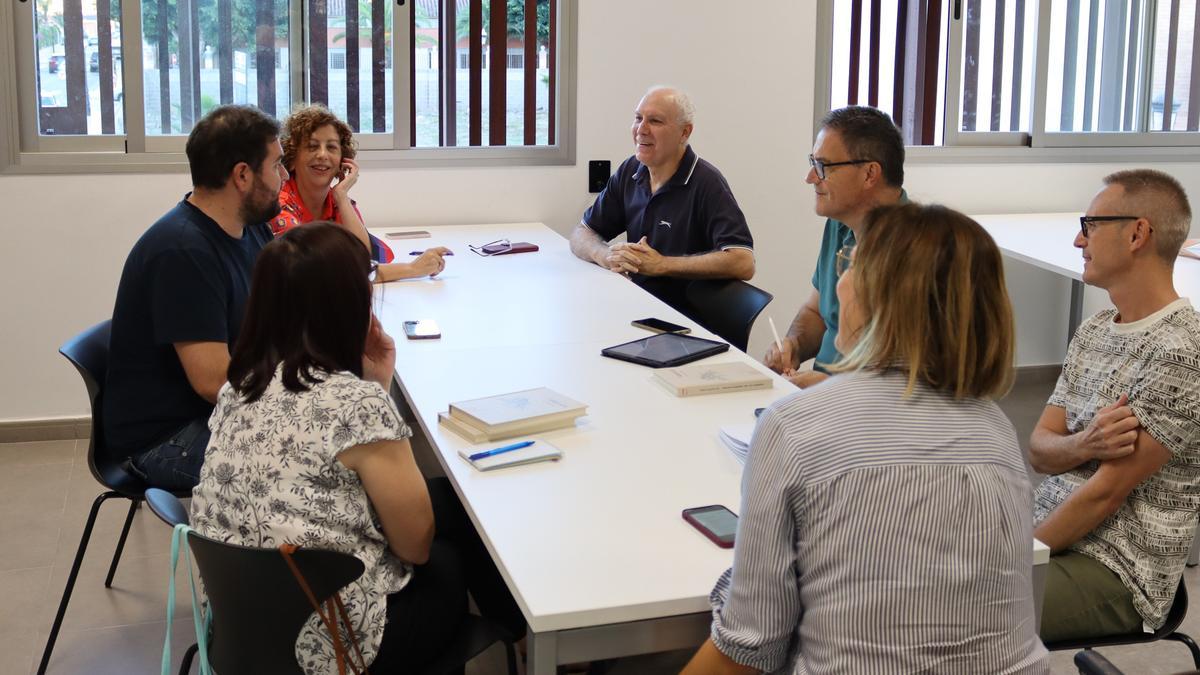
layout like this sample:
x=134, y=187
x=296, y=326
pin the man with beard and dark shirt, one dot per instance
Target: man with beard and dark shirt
x=182, y=293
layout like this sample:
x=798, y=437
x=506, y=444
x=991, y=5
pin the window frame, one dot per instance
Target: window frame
x=1038, y=144
x=23, y=150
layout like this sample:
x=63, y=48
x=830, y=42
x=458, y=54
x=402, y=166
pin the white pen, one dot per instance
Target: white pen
x=775, y=333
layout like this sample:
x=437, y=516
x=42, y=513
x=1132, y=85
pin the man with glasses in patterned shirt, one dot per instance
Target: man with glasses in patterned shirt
x=1120, y=435
x=857, y=164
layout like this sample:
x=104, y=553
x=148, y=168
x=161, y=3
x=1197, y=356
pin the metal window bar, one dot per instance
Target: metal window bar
x=1172, y=57
x=530, y=72
x=1193, y=121
x=73, y=120
x=932, y=41
x=1014, y=122
x=318, y=52
x=1112, y=72
x=189, y=80
x=855, y=50
x=164, y=67
x=412, y=76
x=475, y=74
x=1134, y=34
x=1089, y=73
x=378, y=66
x=873, y=65
x=449, y=80
x=898, y=68
x=105, y=63
x=225, y=50
x=353, y=90
x=1070, y=54
x=497, y=72
x=970, y=95
x=552, y=56
x=265, y=55
x=998, y=66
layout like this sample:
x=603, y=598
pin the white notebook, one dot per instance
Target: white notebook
x=540, y=451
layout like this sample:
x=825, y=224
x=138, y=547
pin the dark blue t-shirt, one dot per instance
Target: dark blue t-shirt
x=693, y=212
x=185, y=280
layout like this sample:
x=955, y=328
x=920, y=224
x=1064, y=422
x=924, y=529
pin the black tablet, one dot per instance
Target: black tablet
x=665, y=350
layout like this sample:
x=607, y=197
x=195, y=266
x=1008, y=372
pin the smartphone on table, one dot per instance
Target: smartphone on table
x=716, y=522
x=422, y=329
x=660, y=326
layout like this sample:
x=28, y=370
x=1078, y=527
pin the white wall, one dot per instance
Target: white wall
x=66, y=237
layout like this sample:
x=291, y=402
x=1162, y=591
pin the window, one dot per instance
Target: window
x=1020, y=72
x=121, y=80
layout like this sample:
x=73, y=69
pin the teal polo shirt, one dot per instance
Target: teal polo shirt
x=837, y=234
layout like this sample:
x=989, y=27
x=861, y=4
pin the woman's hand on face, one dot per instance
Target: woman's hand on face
x=379, y=355
x=431, y=262
x=347, y=178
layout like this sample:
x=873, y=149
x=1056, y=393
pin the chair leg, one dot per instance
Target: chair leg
x=66, y=597
x=112, y=569
x=186, y=666
x=1191, y=645
x=510, y=655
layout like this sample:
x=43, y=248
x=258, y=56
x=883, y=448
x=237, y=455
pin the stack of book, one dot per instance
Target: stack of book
x=519, y=413
x=711, y=378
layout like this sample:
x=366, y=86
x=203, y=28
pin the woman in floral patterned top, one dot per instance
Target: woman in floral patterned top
x=308, y=448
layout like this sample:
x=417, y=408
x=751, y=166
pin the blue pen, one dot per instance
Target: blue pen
x=501, y=450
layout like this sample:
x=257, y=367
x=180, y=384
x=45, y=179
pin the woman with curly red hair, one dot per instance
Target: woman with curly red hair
x=318, y=151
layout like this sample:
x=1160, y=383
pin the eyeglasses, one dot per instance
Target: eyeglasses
x=491, y=248
x=820, y=165
x=844, y=259
x=1087, y=224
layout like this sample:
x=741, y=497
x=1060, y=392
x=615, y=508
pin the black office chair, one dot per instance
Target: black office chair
x=88, y=352
x=256, y=632
x=727, y=307
x=1175, y=617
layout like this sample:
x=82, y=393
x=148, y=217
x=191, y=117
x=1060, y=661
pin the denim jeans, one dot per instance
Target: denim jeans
x=175, y=463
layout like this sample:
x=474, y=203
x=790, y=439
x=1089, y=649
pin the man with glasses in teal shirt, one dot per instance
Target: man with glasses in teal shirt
x=857, y=164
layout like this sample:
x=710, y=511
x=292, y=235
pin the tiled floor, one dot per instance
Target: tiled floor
x=46, y=490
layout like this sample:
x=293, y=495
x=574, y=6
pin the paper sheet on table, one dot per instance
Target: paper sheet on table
x=737, y=438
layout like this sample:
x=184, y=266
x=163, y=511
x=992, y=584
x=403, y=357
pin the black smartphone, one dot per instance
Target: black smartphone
x=660, y=326
x=422, y=329
x=716, y=522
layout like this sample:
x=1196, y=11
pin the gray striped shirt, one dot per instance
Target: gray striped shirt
x=881, y=534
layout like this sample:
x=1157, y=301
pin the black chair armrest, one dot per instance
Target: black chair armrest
x=1090, y=662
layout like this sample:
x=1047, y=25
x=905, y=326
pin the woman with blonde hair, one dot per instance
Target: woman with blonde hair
x=885, y=519
x=319, y=151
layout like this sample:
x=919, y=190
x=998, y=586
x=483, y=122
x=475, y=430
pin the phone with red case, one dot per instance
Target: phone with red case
x=716, y=522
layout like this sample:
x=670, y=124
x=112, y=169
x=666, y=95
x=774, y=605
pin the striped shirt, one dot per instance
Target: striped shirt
x=1156, y=361
x=881, y=534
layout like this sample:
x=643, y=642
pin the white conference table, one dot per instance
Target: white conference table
x=1046, y=241
x=593, y=547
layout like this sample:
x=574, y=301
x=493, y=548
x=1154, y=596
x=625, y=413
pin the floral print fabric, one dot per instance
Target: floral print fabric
x=271, y=476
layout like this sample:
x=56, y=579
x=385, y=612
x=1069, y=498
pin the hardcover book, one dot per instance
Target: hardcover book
x=711, y=378
x=518, y=409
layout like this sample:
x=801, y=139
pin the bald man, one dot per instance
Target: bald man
x=678, y=213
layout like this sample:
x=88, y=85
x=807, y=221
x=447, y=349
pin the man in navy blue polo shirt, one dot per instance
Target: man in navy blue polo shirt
x=678, y=213
x=857, y=164
x=182, y=294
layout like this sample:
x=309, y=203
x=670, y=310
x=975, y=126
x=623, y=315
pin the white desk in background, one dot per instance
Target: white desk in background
x=1045, y=240
x=592, y=547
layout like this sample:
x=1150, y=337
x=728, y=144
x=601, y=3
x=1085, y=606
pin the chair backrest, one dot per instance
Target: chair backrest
x=88, y=352
x=727, y=307
x=257, y=606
